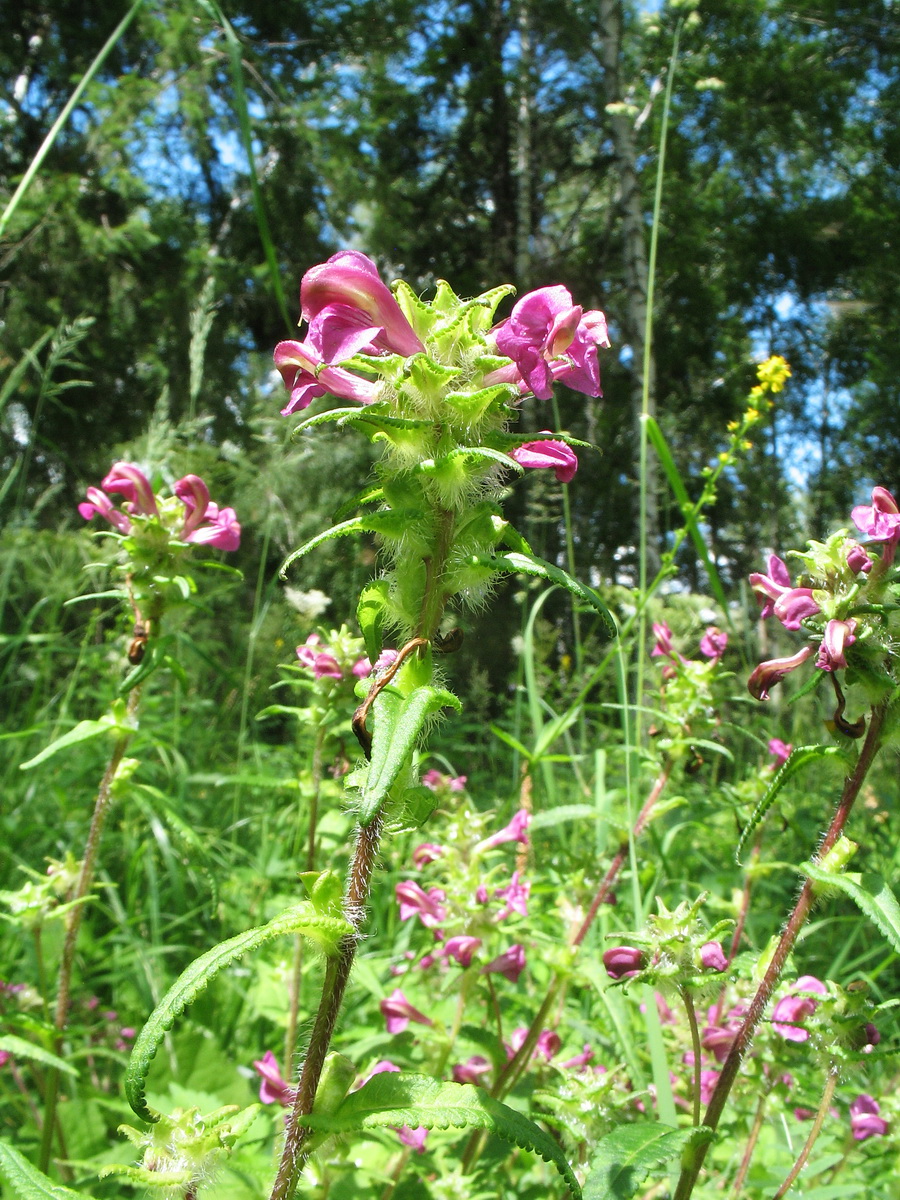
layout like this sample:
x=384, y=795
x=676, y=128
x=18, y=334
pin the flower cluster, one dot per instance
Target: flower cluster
x=339, y=656
x=437, y=384
x=154, y=531
x=688, y=703
x=674, y=952
x=842, y=599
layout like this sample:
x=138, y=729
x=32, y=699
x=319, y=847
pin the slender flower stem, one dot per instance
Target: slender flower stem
x=797, y=919
x=73, y=921
x=688, y=1001
x=739, y=927
x=616, y=865
x=755, y=1131
x=337, y=973
x=804, y=1154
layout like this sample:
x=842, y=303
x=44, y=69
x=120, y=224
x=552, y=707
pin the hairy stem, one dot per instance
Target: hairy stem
x=797, y=919
x=73, y=923
x=804, y=1154
x=337, y=973
x=688, y=1001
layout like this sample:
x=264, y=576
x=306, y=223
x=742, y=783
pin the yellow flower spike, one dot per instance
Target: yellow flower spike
x=745, y=445
x=774, y=372
x=732, y=426
x=723, y=456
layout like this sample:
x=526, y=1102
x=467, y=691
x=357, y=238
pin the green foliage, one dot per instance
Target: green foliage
x=27, y=1182
x=625, y=1157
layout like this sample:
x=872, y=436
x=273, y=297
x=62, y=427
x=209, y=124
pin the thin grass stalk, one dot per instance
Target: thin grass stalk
x=804, y=1154
x=747, y=1157
x=795, y=923
x=60, y=121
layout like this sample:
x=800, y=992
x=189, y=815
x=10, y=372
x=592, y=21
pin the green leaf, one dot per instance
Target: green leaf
x=799, y=758
x=870, y=893
x=517, y=562
x=625, y=1157
x=19, y=1048
x=370, y=610
x=563, y=812
x=689, y=512
x=84, y=731
x=354, y=525
x=435, y=466
x=392, y=1100
x=398, y=722
x=27, y=1182
x=302, y=918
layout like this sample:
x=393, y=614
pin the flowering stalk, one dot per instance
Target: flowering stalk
x=852, y=785
x=803, y=1156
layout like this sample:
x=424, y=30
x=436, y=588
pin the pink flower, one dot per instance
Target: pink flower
x=548, y=338
x=133, y=484
x=880, y=520
x=427, y=853
x=708, y=1081
x=662, y=647
x=622, y=962
x=789, y=604
x=220, y=529
x=438, y=781
x=515, y=831
x=792, y=1009
x=713, y=957
x=471, y=1070
x=351, y=280
x=838, y=636
x=398, y=1012
x=864, y=1119
x=713, y=643
x=414, y=902
x=100, y=504
x=767, y=674
x=481, y=894
x=510, y=964
x=322, y=664
x=462, y=948
x=383, y=1065
x=858, y=559
x=580, y=1060
x=273, y=1089
x=552, y=454
x=307, y=376
x=516, y=897
x=547, y=1044
x=780, y=751
x=415, y=1138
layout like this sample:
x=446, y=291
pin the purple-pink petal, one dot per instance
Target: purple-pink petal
x=273, y=1089
x=550, y=454
x=768, y=673
x=350, y=278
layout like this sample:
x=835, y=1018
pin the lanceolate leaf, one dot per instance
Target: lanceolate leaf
x=801, y=757
x=870, y=893
x=84, y=731
x=370, y=615
x=326, y=930
x=19, y=1048
x=27, y=1182
x=517, y=562
x=625, y=1157
x=393, y=1100
x=398, y=722
x=354, y=525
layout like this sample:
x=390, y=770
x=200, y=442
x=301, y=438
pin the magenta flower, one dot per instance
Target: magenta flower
x=768, y=673
x=622, y=962
x=789, y=604
x=414, y=902
x=864, y=1119
x=780, y=751
x=510, y=964
x=556, y=455
x=580, y=1060
x=881, y=519
x=792, y=1009
x=515, y=831
x=713, y=643
x=383, y=1065
x=662, y=646
x=708, y=1081
x=548, y=338
x=462, y=948
x=427, y=853
x=516, y=897
x=794, y=605
x=350, y=280
x=100, y=504
x=471, y=1070
x=273, y=1089
x=220, y=529
x=414, y=1138
x=858, y=559
x=363, y=667
x=481, y=894
x=322, y=664
x=713, y=957
x=838, y=636
x=546, y=1046
x=307, y=376
x=398, y=1012
x=132, y=483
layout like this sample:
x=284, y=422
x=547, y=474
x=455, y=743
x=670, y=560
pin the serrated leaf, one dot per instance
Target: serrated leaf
x=84, y=731
x=870, y=893
x=370, y=610
x=27, y=1182
x=393, y=1100
x=517, y=562
x=799, y=758
x=398, y=722
x=343, y=529
x=19, y=1048
x=471, y=406
x=326, y=931
x=625, y=1157
x=435, y=466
